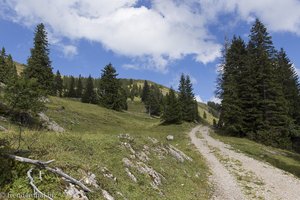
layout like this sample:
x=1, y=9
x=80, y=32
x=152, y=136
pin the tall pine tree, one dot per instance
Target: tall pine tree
x=231, y=112
x=89, y=94
x=39, y=64
x=79, y=87
x=3, y=68
x=189, y=106
x=290, y=84
x=153, y=101
x=252, y=90
x=110, y=90
x=272, y=122
x=71, y=90
x=11, y=69
x=145, y=91
x=172, y=110
x=58, y=84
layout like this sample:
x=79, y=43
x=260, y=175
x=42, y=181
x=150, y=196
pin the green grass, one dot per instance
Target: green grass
x=282, y=159
x=91, y=142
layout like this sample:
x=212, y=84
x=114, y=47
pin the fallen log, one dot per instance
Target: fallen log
x=43, y=165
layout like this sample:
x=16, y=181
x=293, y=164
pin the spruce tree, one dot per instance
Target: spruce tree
x=123, y=99
x=182, y=97
x=89, y=94
x=110, y=90
x=189, y=106
x=172, y=110
x=79, y=87
x=11, y=69
x=8, y=70
x=71, y=90
x=153, y=101
x=231, y=117
x=3, y=68
x=58, y=84
x=192, y=105
x=39, y=64
x=272, y=121
x=145, y=91
x=290, y=84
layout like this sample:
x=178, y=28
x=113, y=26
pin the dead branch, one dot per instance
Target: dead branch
x=31, y=161
x=71, y=179
x=43, y=164
x=35, y=189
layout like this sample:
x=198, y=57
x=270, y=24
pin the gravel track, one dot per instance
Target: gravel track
x=236, y=176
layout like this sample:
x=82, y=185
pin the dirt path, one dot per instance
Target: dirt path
x=237, y=176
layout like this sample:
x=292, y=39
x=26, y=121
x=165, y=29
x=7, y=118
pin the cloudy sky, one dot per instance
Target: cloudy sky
x=145, y=39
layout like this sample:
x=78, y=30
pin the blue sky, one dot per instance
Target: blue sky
x=152, y=39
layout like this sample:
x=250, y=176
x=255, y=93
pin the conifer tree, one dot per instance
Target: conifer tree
x=3, y=68
x=145, y=92
x=123, y=99
x=192, y=105
x=8, y=70
x=182, y=97
x=89, y=94
x=39, y=64
x=71, y=90
x=79, y=87
x=272, y=122
x=253, y=101
x=290, y=84
x=110, y=90
x=11, y=69
x=172, y=110
x=231, y=117
x=58, y=84
x=189, y=106
x=153, y=101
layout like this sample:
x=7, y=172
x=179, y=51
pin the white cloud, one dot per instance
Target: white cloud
x=167, y=31
x=130, y=66
x=278, y=15
x=69, y=50
x=198, y=99
x=215, y=99
x=156, y=36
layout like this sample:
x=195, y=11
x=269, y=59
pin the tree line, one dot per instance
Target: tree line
x=260, y=91
x=174, y=107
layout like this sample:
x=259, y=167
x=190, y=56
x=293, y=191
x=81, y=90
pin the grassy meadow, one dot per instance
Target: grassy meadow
x=91, y=143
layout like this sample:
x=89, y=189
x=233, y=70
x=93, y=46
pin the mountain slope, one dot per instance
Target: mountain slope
x=101, y=142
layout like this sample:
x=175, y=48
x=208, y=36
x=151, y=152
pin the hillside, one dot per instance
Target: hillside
x=20, y=67
x=202, y=107
x=100, y=141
